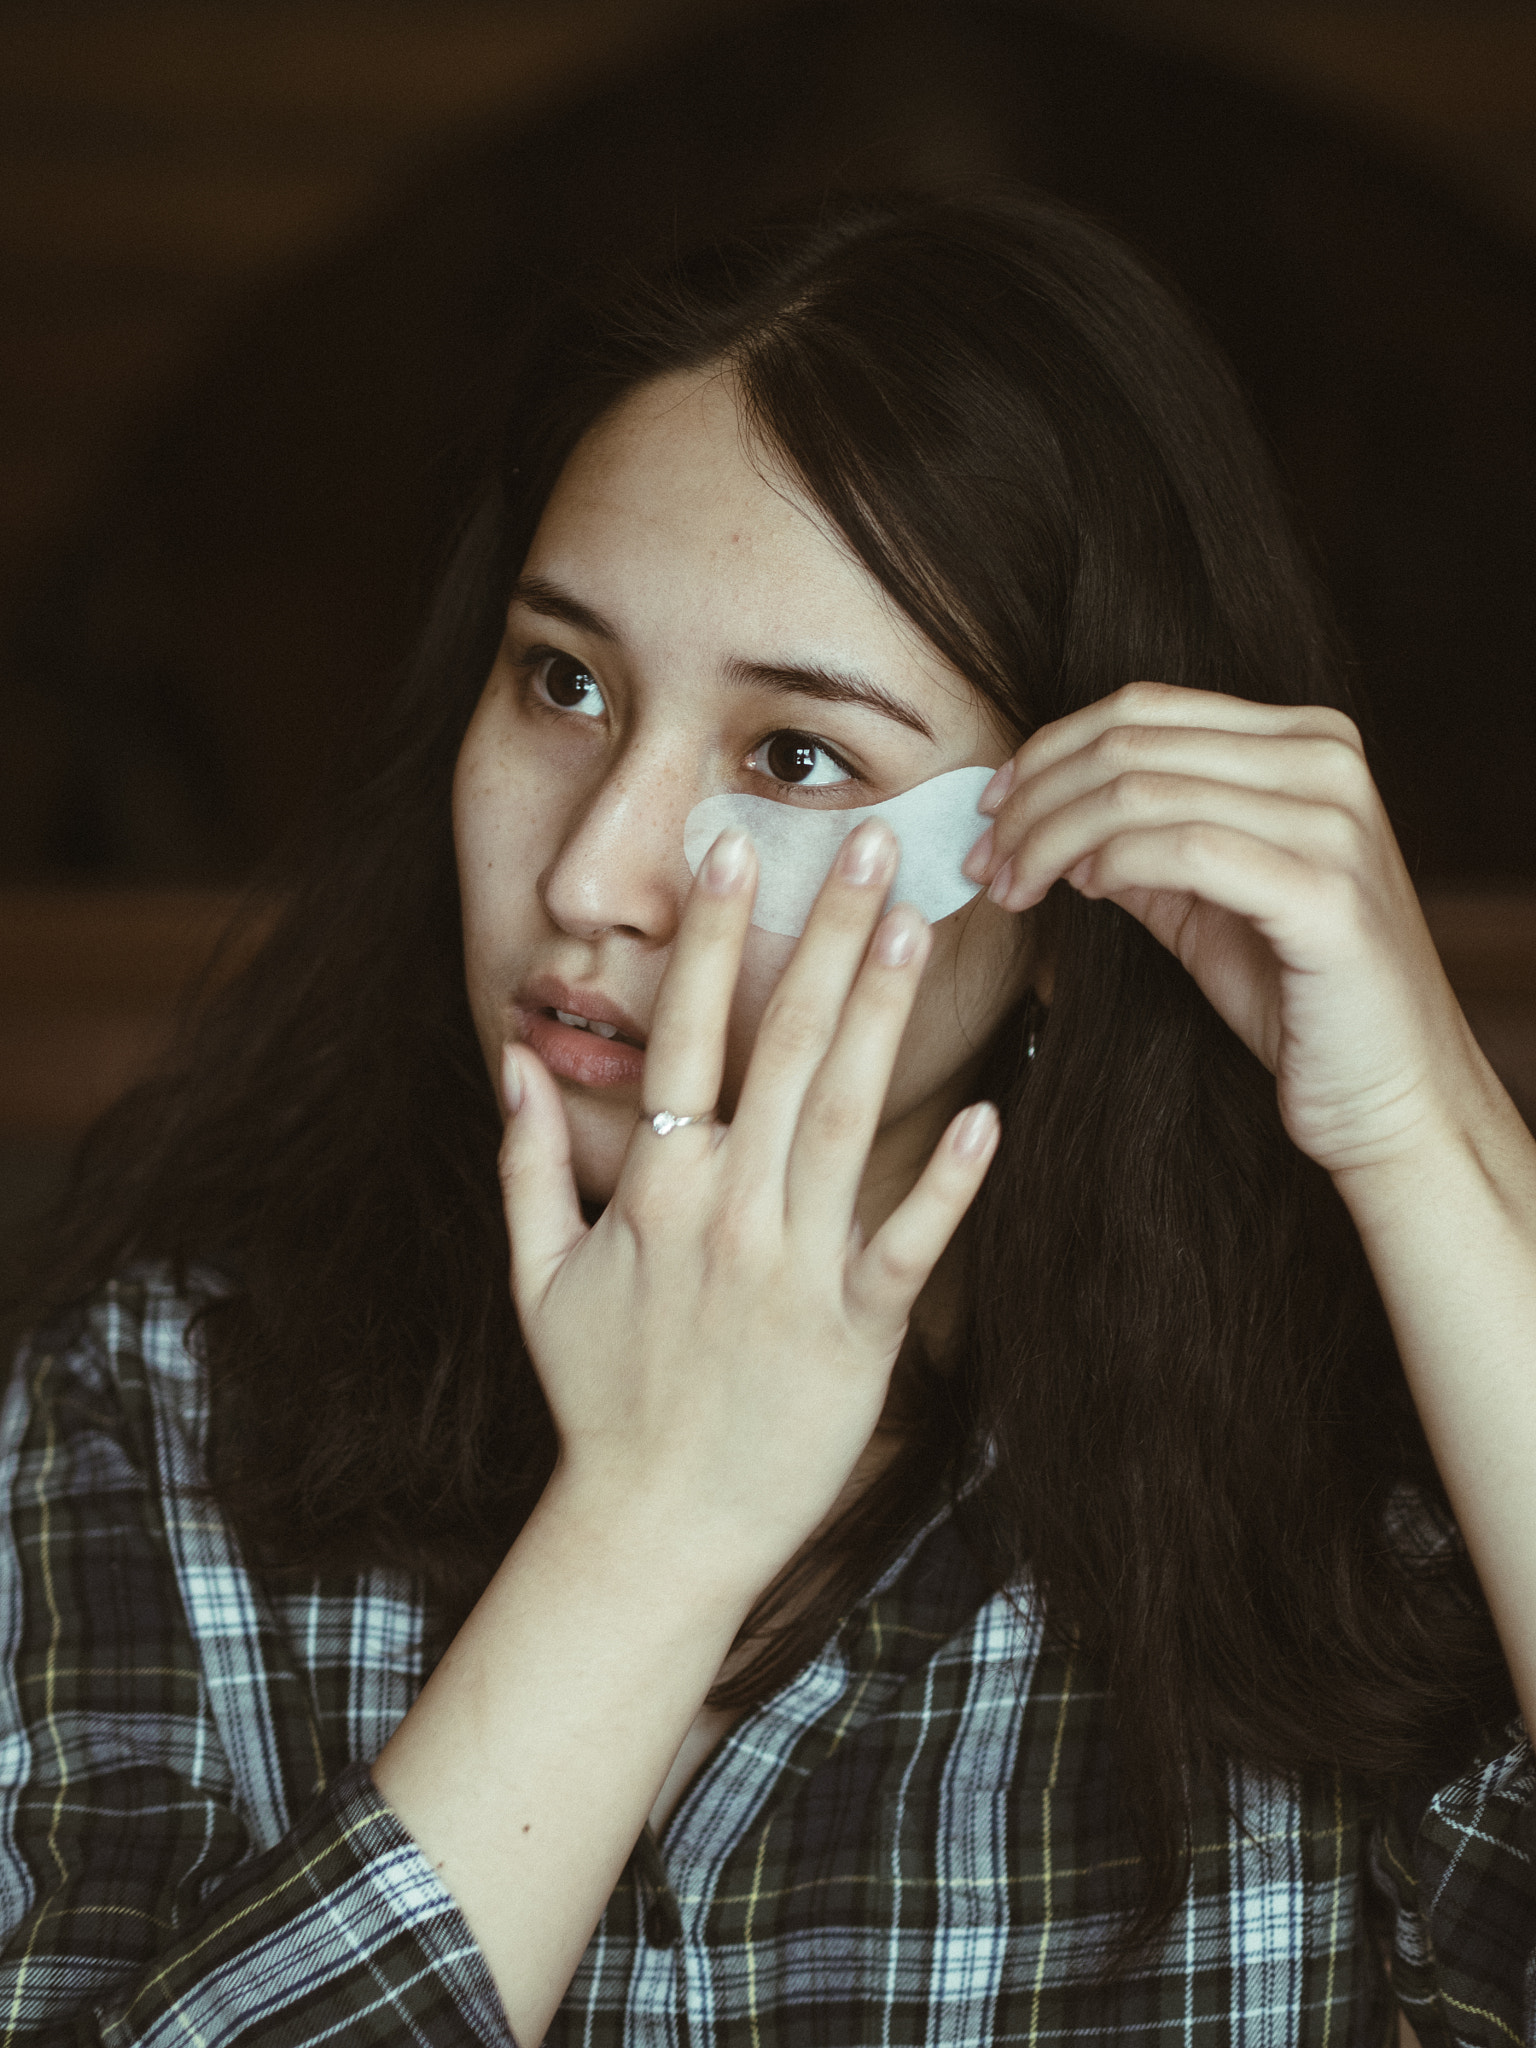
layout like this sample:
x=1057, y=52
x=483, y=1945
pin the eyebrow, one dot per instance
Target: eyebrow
x=803, y=679
x=828, y=686
x=551, y=602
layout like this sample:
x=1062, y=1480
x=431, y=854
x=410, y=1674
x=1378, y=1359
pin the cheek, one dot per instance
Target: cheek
x=497, y=834
x=504, y=817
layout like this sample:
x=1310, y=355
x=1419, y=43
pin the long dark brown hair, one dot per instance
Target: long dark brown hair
x=1175, y=1381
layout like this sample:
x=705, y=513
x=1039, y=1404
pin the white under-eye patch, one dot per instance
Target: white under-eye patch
x=936, y=822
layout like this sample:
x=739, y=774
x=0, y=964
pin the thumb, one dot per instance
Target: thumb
x=538, y=1188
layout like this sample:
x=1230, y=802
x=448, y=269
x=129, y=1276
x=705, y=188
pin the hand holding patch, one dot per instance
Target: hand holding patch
x=936, y=823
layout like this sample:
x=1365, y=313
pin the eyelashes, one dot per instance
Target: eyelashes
x=788, y=756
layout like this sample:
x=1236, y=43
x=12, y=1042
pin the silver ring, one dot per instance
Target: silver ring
x=664, y=1122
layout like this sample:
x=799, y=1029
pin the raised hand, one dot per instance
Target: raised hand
x=719, y=1344
x=716, y=1351
x=1250, y=840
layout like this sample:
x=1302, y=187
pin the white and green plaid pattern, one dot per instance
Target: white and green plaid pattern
x=916, y=1841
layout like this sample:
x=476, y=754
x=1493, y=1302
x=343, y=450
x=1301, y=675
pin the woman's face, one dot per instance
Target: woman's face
x=686, y=624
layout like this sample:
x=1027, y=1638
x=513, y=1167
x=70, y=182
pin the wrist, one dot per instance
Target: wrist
x=1469, y=1144
x=644, y=1544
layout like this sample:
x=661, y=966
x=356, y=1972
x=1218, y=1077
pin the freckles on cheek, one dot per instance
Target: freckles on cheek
x=475, y=811
x=499, y=821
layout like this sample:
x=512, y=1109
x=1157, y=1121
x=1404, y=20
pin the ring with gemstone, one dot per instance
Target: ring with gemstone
x=664, y=1121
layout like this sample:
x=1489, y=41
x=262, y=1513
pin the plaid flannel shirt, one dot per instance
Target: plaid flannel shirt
x=914, y=1842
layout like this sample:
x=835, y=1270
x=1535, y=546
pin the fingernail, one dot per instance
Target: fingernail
x=974, y=1131
x=896, y=939
x=726, y=862
x=975, y=862
x=511, y=1081
x=866, y=852
x=996, y=789
x=1002, y=882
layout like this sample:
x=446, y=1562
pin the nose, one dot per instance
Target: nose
x=620, y=865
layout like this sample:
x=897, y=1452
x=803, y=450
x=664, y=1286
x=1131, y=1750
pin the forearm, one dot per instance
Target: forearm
x=530, y=1761
x=1451, y=1236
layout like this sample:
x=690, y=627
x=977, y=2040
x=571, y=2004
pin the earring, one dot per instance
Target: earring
x=1037, y=1016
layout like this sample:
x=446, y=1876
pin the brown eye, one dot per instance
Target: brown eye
x=791, y=756
x=572, y=687
x=798, y=758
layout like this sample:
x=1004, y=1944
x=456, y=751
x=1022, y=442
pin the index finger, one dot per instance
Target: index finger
x=1169, y=704
x=685, y=1052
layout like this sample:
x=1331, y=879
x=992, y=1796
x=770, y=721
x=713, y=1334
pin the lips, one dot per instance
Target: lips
x=570, y=1050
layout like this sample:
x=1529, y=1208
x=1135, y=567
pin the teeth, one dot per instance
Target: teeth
x=587, y=1024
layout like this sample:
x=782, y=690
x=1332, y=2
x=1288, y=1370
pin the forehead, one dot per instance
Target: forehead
x=670, y=519
x=674, y=463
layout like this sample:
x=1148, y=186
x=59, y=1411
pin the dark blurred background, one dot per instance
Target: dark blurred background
x=260, y=262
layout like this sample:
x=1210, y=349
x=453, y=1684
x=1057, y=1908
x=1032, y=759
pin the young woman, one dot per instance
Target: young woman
x=994, y=1505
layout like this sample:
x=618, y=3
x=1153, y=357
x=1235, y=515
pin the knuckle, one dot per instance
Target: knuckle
x=1143, y=695
x=639, y=1204
x=1342, y=766
x=836, y=1118
x=1125, y=749
x=731, y=1238
x=652, y=1201
x=512, y=1166
x=1339, y=727
x=1199, y=842
x=1336, y=906
x=1343, y=838
x=793, y=1028
x=1132, y=791
x=1339, y=900
x=901, y=1268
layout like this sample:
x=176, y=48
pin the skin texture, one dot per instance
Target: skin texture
x=570, y=826
x=763, y=1270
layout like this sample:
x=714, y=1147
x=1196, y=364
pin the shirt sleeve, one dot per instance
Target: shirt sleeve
x=1457, y=1866
x=134, y=1907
